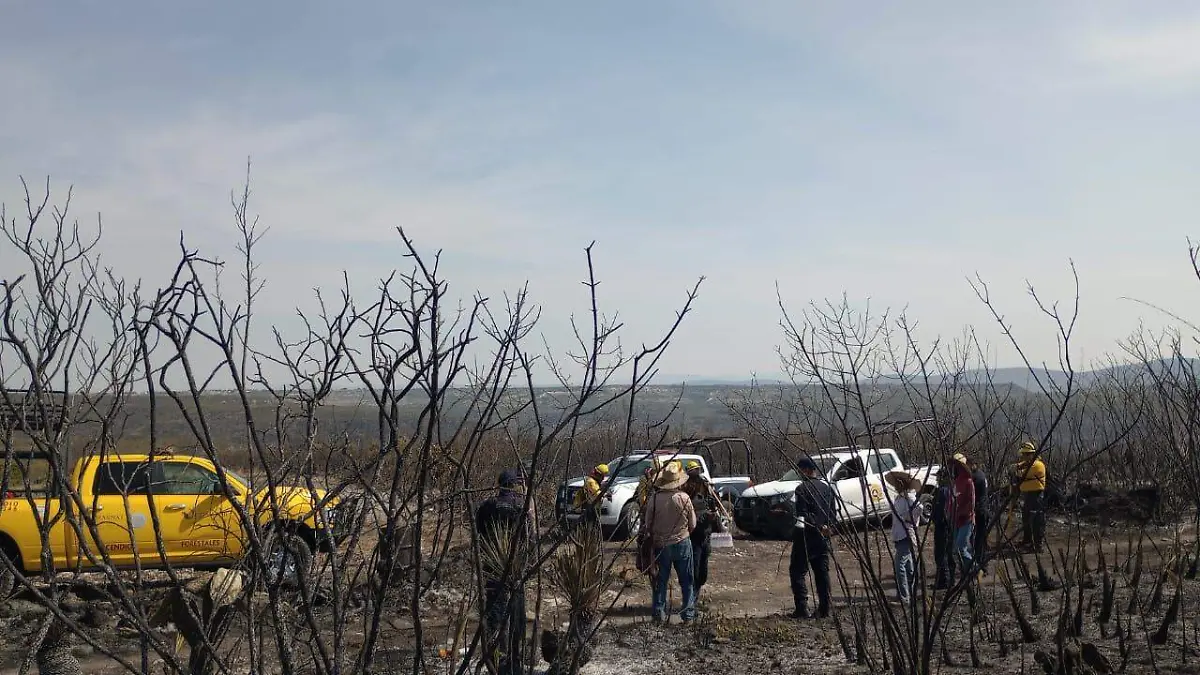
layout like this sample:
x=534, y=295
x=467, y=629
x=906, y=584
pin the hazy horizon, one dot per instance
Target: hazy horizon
x=884, y=153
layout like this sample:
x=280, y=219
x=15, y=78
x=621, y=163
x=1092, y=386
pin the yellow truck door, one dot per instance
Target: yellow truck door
x=199, y=522
x=118, y=504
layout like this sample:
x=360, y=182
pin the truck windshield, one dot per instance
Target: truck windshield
x=824, y=464
x=25, y=476
x=629, y=469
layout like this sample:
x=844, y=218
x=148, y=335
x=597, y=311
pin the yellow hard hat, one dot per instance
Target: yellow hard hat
x=602, y=469
x=693, y=465
x=1027, y=448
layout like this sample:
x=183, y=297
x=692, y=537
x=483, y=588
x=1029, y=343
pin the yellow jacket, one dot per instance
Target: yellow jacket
x=588, y=494
x=1032, y=477
x=643, y=491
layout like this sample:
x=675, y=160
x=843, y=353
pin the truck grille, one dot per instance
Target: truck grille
x=566, y=495
x=752, y=513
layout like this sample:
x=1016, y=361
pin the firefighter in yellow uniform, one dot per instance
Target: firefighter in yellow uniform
x=587, y=499
x=1029, y=477
x=646, y=483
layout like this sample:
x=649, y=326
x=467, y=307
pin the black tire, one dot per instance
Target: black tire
x=631, y=519
x=8, y=581
x=288, y=556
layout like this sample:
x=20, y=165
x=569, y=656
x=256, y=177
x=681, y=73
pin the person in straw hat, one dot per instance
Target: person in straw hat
x=906, y=516
x=669, y=521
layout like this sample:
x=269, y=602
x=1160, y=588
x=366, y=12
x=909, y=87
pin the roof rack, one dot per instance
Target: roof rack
x=24, y=455
x=892, y=426
x=21, y=410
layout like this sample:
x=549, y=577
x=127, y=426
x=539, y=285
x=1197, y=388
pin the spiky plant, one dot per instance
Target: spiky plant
x=495, y=548
x=580, y=572
x=582, y=576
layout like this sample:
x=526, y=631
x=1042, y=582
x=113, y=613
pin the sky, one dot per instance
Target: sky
x=884, y=153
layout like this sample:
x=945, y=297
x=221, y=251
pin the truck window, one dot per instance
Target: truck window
x=26, y=476
x=883, y=463
x=853, y=468
x=117, y=478
x=179, y=478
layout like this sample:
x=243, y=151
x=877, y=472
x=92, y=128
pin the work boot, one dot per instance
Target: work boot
x=798, y=614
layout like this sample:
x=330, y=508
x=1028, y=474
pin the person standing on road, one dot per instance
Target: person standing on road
x=943, y=532
x=1029, y=475
x=670, y=519
x=982, y=518
x=906, y=517
x=962, y=511
x=816, y=508
x=704, y=502
x=502, y=519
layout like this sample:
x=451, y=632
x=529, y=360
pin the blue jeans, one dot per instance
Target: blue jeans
x=964, y=544
x=906, y=570
x=678, y=556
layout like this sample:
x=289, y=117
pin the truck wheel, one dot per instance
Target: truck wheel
x=289, y=558
x=8, y=581
x=631, y=519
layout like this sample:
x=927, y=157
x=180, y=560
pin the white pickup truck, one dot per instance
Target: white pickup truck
x=856, y=474
x=620, y=513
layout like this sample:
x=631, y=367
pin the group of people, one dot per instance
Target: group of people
x=961, y=523
x=681, y=511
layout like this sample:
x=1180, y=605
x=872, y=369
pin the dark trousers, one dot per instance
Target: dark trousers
x=943, y=555
x=982, y=523
x=504, y=615
x=701, y=550
x=1033, y=519
x=810, y=551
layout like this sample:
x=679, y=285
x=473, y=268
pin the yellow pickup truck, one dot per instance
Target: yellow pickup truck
x=196, y=522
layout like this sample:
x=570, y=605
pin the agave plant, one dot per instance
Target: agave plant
x=495, y=547
x=580, y=572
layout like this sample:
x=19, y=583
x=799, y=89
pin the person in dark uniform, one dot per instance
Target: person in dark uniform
x=982, y=517
x=504, y=597
x=704, y=501
x=816, y=509
x=943, y=533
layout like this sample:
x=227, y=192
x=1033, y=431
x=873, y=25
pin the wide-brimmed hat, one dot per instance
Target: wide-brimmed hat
x=902, y=480
x=961, y=458
x=671, y=477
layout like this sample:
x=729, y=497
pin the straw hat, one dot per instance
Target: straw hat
x=672, y=477
x=902, y=481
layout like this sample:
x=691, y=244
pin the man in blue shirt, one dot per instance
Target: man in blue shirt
x=816, y=509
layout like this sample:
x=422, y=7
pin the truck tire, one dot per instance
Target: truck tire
x=288, y=556
x=8, y=581
x=630, y=521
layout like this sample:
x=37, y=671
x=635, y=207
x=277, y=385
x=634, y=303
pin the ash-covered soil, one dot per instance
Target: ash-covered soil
x=744, y=628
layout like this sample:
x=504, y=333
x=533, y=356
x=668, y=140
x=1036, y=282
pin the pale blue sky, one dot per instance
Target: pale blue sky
x=829, y=147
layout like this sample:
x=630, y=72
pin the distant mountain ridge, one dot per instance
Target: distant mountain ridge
x=1011, y=376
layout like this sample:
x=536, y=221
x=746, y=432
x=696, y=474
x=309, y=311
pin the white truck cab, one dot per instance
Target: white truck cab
x=856, y=474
